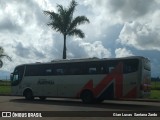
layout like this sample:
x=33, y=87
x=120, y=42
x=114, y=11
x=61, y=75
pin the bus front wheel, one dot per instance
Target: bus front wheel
x=28, y=95
x=87, y=97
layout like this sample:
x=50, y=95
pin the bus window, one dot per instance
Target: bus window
x=74, y=71
x=111, y=69
x=39, y=70
x=48, y=71
x=95, y=68
x=130, y=66
x=92, y=70
x=17, y=75
x=74, y=68
x=112, y=65
x=31, y=70
x=59, y=71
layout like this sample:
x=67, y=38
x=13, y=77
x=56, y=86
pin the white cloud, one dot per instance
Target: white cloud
x=123, y=52
x=80, y=49
x=141, y=36
x=131, y=9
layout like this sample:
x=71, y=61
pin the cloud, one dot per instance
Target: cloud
x=23, y=32
x=131, y=9
x=79, y=48
x=140, y=36
x=123, y=52
x=28, y=51
x=6, y=24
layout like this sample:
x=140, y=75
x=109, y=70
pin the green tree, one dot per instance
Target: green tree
x=63, y=22
x=2, y=55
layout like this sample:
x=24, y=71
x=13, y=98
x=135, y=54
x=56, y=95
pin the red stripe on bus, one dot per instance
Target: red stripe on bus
x=116, y=74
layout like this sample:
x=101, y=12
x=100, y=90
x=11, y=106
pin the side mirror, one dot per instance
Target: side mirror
x=11, y=76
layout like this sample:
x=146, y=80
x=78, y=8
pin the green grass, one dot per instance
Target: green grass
x=155, y=85
x=155, y=94
x=4, y=83
x=5, y=90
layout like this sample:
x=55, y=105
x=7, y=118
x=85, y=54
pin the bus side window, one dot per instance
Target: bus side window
x=96, y=68
x=74, y=68
x=74, y=71
x=92, y=70
x=59, y=71
x=111, y=69
x=112, y=65
x=48, y=71
x=130, y=66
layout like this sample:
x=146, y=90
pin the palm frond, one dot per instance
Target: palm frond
x=56, y=21
x=78, y=21
x=77, y=32
x=72, y=7
x=60, y=9
x=3, y=55
x=52, y=15
x=56, y=26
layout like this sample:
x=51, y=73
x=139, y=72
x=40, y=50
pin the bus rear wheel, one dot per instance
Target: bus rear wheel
x=28, y=95
x=87, y=97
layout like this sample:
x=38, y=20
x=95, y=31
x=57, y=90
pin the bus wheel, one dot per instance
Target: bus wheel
x=87, y=97
x=28, y=95
x=42, y=98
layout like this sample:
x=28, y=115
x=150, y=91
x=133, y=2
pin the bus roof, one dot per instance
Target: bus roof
x=84, y=60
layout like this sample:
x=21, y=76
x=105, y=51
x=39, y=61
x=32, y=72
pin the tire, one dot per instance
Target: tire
x=87, y=97
x=28, y=95
x=42, y=98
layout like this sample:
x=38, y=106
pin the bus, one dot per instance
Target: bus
x=90, y=79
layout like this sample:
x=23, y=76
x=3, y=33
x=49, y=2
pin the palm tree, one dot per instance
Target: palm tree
x=2, y=55
x=63, y=22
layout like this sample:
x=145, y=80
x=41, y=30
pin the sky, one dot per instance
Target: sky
x=117, y=28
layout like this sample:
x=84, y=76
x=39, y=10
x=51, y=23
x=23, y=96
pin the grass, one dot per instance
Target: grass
x=155, y=94
x=5, y=90
x=4, y=83
x=155, y=85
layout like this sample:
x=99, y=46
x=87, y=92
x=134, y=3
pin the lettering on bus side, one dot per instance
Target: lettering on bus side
x=45, y=82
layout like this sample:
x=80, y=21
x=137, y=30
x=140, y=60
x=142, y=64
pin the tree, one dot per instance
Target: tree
x=2, y=55
x=63, y=22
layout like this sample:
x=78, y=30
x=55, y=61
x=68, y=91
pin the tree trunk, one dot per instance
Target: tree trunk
x=64, y=48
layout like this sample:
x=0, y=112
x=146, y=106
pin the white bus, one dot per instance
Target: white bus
x=90, y=79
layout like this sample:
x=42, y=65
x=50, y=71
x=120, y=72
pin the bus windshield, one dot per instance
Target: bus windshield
x=17, y=75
